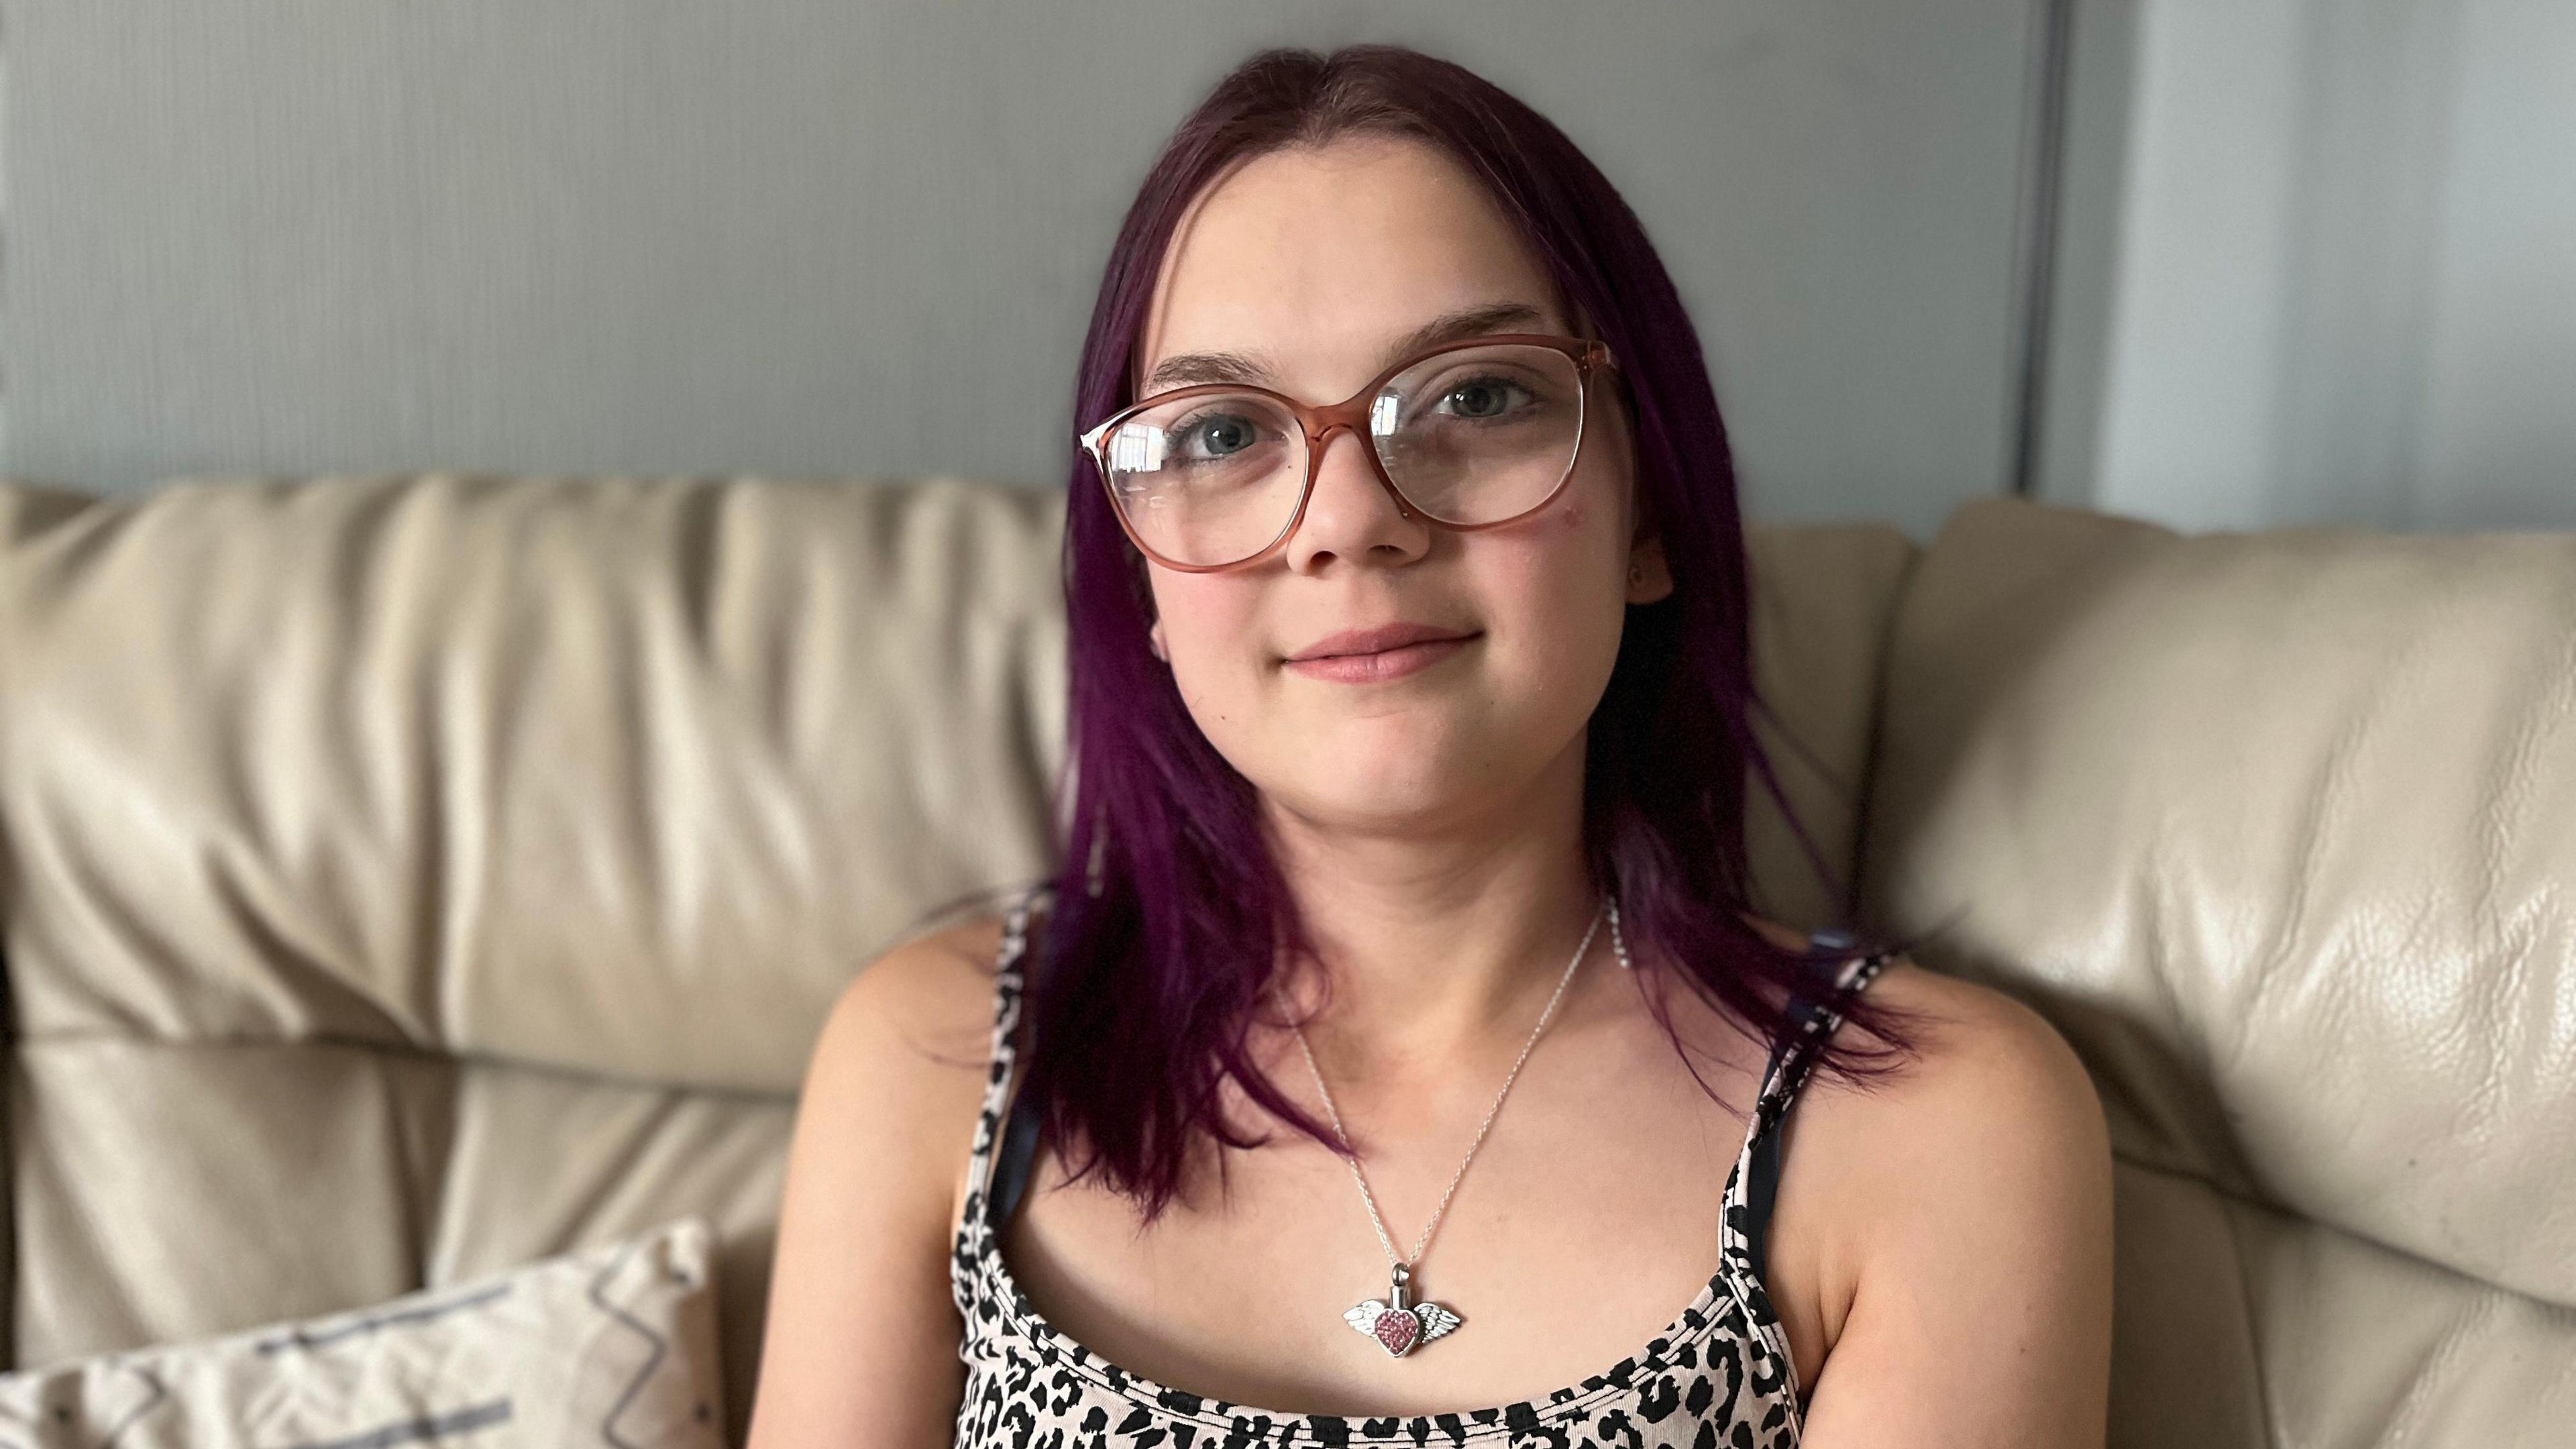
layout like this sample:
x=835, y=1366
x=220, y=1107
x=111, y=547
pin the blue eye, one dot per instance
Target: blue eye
x=1484, y=399
x=1224, y=433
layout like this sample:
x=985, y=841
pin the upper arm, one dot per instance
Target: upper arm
x=1981, y=1306
x=859, y=1346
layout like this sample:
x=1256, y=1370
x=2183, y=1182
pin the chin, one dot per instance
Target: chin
x=1361, y=792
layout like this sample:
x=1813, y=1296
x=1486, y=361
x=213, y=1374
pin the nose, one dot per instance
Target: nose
x=1352, y=513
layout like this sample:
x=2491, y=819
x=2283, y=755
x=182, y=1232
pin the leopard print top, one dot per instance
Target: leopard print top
x=1718, y=1375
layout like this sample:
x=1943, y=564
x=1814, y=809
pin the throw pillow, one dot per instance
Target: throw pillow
x=612, y=1346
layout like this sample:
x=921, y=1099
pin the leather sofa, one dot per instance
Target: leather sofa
x=403, y=877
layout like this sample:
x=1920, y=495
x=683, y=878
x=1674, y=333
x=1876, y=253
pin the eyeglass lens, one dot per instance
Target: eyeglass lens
x=1476, y=435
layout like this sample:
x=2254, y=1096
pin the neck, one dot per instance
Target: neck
x=1441, y=945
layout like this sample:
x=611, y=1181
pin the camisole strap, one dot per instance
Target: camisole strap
x=1002, y=1151
x=1783, y=1075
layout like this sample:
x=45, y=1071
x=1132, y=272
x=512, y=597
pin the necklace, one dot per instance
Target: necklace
x=1396, y=1322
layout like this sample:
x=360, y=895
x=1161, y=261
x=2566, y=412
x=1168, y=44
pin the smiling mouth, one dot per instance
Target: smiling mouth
x=1379, y=665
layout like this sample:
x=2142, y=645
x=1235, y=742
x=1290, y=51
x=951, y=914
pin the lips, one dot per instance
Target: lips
x=1376, y=640
x=1375, y=656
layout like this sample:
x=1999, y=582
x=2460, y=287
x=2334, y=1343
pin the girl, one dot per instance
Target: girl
x=1406, y=593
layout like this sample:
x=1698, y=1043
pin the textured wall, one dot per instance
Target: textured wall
x=826, y=239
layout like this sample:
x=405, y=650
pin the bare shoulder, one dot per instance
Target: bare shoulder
x=933, y=993
x=875, y=1169
x=1991, y=1085
x=1970, y=1197
x=1981, y=1052
x=904, y=1055
x=1990, y=1070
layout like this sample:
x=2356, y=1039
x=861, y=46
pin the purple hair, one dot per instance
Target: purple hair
x=1169, y=910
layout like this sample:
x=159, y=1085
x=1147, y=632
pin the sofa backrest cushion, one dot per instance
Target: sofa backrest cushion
x=411, y=876
x=2280, y=830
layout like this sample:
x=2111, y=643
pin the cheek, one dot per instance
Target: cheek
x=1203, y=614
x=1568, y=557
x=1209, y=630
x=1560, y=588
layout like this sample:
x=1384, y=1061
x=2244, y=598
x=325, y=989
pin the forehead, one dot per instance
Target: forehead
x=1308, y=266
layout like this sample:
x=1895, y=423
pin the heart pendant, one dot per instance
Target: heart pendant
x=1398, y=1330
x=1399, y=1326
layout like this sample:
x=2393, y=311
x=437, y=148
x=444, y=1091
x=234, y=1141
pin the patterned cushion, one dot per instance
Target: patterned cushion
x=614, y=1345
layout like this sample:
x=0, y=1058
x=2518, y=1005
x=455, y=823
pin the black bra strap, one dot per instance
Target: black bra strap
x=1011, y=1170
x=1764, y=1185
x=1758, y=1193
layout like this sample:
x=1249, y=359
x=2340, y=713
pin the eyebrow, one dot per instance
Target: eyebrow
x=1187, y=368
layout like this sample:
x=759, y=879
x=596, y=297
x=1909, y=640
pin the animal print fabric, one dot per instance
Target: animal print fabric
x=1719, y=1375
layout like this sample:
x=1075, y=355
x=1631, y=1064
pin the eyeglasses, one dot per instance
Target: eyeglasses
x=1468, y=435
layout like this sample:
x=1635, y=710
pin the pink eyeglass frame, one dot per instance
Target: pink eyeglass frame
x=1351, y=415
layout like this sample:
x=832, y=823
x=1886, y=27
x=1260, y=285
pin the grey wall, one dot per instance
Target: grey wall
x=818, y=238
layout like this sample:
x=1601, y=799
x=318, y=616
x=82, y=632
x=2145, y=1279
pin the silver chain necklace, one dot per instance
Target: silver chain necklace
x=1396, y=1322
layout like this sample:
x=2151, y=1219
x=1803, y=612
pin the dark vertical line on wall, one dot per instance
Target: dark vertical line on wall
x=2043, y=151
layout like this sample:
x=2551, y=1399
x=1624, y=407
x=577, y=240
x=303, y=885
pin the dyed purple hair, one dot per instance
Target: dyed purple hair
x=1169, y=910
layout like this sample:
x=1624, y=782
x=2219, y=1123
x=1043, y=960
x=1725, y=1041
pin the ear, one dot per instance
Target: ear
x=1649, y=578
x=1154, y=637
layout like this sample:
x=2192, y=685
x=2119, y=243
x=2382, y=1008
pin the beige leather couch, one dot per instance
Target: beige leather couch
x=408, y=877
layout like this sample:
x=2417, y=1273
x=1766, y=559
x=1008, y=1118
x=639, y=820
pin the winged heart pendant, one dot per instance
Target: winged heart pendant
x=1397, y=1324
